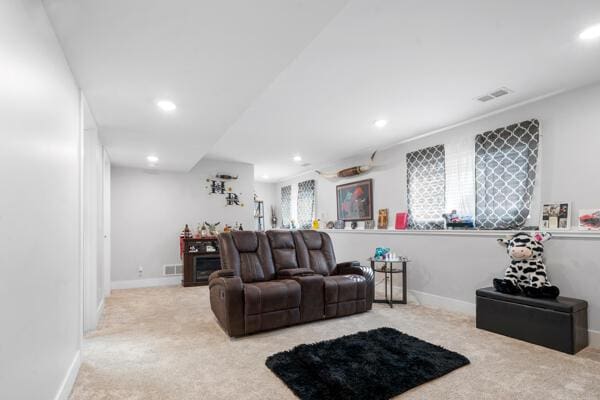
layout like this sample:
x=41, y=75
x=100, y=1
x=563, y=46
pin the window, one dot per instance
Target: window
x=426, y=181
x=505, y=168
x=460, y=176
x=286, y=206
x=306, y=204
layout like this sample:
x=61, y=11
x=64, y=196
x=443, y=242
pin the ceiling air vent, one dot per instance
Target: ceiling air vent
x=503, y=91
x=485, y=98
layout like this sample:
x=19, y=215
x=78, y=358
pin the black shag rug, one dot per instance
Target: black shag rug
x=377, y=364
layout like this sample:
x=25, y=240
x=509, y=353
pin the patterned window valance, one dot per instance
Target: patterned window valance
x=306, y=204
x=505, y=167
x=426, y=179
x=286, y=206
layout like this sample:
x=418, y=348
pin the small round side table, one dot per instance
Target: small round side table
x=390, y=267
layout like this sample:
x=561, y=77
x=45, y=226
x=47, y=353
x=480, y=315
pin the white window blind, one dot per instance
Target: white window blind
x=460, y=176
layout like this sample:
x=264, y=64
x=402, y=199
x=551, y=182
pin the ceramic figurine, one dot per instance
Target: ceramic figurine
x=212, y=228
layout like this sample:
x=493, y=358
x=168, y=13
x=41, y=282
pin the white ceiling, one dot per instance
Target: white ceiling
x=211, y=58
x=262, y=81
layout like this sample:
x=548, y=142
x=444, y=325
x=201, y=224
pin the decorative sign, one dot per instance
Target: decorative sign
x=218, y=185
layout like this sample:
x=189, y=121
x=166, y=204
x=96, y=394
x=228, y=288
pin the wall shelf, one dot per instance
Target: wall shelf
x=573, y=234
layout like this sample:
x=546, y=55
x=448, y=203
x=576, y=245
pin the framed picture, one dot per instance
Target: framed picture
x=556, y=215
x=355, y=201
x=382, y=219
x=370, y=224
x=589, y=220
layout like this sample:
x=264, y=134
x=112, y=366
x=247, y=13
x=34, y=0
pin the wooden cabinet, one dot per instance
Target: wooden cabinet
x=200, y=258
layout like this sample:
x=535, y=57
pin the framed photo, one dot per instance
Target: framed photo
x=370, y=224
x=382, y=219
x=355, y=201
x=589, y=220
x=556, y=215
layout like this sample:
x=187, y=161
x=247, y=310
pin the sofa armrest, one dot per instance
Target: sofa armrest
x=347, y=264
x=227, y=301
x=354, y=268
x=292, y=272
x=221, y=273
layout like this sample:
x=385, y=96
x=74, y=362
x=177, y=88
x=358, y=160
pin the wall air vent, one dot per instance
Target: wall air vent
x=172, y=269
x=503, y=91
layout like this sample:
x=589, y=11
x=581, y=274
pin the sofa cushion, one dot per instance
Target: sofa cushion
x=315, y=251
x=345, y=295
x=283, y=248
x=264, y=297
x=245, y=241
x=247, y=254
x=341, y=288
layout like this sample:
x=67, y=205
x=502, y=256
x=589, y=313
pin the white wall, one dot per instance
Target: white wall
x=569, y=127
x=150, y=208
x=454, y=266
x=39, y=208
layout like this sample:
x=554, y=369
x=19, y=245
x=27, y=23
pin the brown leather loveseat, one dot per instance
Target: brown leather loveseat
x=280, y=278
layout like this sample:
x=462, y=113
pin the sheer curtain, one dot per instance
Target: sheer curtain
x=505, y=172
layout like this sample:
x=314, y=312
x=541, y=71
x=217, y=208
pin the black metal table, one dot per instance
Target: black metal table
x=388, y=269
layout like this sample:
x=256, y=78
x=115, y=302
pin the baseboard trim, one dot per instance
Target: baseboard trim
x=446, y=303
x=100, y=311
x=594, y=337
x=67, y=384
x=464, y=307
x=149, y=282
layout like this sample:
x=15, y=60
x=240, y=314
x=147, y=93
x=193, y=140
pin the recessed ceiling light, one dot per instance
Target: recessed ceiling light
x=265, y=176
x=297, y=158
x=166, y=105
x=592, y=32
x=380, y=123
x=152, y=159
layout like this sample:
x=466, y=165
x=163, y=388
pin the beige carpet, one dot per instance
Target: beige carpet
x=163, y=343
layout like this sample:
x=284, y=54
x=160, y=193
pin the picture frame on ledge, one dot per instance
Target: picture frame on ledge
x=556, y=216
x=382, y=218
x=355, y=201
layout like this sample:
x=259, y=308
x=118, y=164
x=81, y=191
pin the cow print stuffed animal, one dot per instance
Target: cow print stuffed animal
x=526, y=272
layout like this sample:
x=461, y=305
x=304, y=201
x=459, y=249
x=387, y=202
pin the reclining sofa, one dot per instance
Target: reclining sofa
x=276, y=279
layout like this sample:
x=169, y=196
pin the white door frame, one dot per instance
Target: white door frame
x=106, y=213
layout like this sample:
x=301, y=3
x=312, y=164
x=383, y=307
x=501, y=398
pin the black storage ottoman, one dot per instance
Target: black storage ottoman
x=559, y=324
